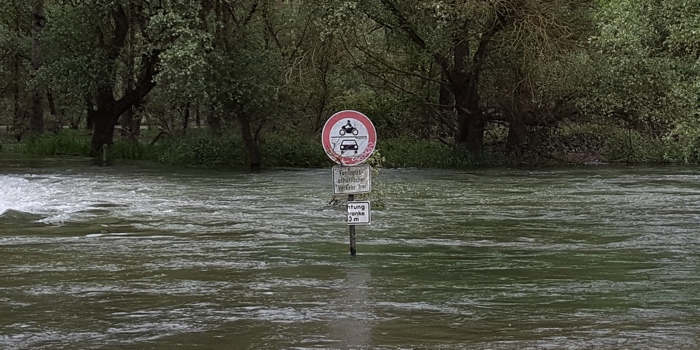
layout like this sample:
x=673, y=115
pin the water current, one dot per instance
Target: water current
x=143, y=257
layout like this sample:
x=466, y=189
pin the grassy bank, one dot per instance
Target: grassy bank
x=229, y=151
x=570, y=146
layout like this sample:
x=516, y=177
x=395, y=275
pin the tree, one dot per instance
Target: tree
x=644, y=72
x=467, y=41
x=15, y=48
x=36, y=120
x=93, y=40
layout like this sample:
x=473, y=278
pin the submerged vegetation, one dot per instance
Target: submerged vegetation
x=447, y=84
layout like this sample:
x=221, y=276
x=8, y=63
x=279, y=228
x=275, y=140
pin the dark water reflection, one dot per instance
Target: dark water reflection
x=133, y=257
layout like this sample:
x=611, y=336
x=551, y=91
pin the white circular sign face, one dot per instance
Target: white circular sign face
x=349, y=138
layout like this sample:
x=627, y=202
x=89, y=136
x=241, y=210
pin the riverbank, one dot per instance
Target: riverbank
x=198, y=148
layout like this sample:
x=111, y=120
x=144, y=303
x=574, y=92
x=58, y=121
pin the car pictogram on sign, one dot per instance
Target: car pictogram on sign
x=348, y=145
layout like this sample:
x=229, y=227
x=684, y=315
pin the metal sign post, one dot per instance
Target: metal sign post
x=349, y=139
x=351, y=231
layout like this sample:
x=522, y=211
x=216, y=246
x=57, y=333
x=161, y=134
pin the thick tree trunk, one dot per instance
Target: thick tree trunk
x=108, y=111
x=250, y=142
x=471, y=124
x=102, y=134
x=470, y=131
x=517, y=135
x=104, y=120
x=36, y=119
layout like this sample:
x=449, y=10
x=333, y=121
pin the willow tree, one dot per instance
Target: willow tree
x=91, y=42
x=466, y=40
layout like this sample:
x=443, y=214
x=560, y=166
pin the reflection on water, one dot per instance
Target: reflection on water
x=353, y=324
x=133, y=257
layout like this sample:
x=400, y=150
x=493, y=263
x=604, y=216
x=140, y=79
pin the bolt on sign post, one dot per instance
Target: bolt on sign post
x=349, y=139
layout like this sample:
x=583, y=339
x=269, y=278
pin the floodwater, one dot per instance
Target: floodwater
x=142, y=257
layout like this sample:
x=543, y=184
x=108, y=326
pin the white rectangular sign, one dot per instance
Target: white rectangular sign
x=359, y=213
x=352, y=179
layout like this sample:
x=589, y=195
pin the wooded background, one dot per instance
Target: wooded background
x=467, y=73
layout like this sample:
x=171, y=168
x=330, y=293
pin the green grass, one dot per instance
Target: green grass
x=70, y=143
x=199, y=148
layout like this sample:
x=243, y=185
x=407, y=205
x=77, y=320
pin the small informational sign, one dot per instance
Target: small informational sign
x=352, y=180
x=349, y=138
x=359, y=213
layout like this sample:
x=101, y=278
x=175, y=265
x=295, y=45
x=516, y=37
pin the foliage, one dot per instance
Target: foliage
x=237, y=80
x=62, y=144
x=644, y=71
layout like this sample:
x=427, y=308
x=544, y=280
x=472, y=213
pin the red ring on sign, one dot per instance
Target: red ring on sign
x=328, y=144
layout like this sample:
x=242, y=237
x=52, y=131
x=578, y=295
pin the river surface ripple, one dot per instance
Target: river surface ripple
x=138, y=257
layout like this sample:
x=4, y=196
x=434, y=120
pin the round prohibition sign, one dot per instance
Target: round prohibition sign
x=349, y=138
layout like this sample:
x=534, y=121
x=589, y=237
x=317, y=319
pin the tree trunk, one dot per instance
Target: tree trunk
x=108, y=111
x=471, y=124
x=470, y=131
x=214, y=122
x=36, y=120
x=197, y=117
x=17, y=117
x=104, y=121
x=131, y=127
x=517, y=135
x=250, y=142
x=131, y=124
x=186, y=118
x=52, y=104
x=91, y=114
x=102, y=134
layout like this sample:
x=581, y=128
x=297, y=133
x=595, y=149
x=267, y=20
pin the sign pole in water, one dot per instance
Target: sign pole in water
x=349, y=139
x=351, y=229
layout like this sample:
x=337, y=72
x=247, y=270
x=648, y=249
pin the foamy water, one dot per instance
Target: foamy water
x=21, y=194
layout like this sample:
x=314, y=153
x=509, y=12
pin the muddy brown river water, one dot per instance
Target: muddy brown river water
x=143, y=257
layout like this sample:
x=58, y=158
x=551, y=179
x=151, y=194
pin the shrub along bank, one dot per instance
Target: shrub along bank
x=572, y=146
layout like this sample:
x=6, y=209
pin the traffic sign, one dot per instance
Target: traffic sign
x=349, y=138
x=352, y=180
x=359, y=213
